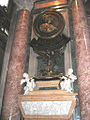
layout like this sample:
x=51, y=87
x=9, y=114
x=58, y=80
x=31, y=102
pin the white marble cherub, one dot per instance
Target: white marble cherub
x=30, y=83
x=67, y=81
x=71, y=75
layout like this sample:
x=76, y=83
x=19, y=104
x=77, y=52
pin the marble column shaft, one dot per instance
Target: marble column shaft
x=10, y=107
x=82, y=46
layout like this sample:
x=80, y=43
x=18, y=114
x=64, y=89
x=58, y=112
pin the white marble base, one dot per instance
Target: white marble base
x=46, y=107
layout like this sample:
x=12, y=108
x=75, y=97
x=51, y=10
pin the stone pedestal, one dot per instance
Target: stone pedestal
x=47, y=105
x=82, y=45
x=10, y=107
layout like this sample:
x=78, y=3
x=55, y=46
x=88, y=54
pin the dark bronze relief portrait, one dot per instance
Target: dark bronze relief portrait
x=48, y=24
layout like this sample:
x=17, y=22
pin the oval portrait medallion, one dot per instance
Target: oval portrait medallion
x=48, y=24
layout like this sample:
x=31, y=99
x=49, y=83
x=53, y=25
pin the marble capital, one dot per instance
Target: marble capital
x=24, y=4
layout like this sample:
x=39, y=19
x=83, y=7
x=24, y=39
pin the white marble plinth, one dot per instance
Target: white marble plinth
x=46, y=107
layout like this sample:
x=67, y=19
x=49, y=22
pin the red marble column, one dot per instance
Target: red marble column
x=82, y=45
x=16, y=68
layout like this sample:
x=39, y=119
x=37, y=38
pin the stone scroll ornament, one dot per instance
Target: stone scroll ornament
x=30, y=83
x=67, y=81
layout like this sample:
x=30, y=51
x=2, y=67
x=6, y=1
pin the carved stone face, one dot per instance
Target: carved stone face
x=70, y=71
x=25, y=75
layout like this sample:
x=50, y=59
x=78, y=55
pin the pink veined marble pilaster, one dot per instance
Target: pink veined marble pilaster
x=82, y=45
x=16, y=68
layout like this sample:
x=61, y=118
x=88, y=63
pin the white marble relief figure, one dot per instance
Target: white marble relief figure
x=67, y=81
x=30, y=83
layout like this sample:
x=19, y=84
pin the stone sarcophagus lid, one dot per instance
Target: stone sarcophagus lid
x=47, y=104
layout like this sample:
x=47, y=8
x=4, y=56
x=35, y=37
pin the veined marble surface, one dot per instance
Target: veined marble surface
x=46, y=107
